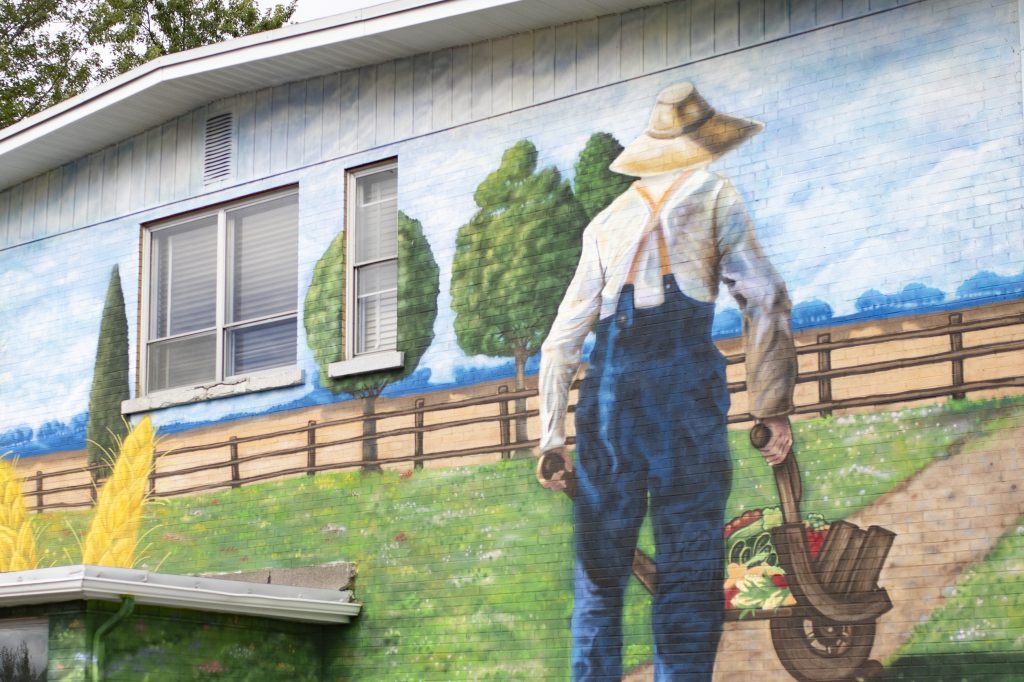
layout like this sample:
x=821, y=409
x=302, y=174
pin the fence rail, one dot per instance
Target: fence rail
x=226, y=472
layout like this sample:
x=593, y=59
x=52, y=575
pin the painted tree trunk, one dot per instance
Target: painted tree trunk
x=521, y=433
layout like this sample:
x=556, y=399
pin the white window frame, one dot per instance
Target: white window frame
x=221, y=385
x=368, y=361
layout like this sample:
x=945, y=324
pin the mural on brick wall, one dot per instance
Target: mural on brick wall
x=868, y=237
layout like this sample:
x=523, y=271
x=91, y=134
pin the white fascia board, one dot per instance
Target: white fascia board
x=253, y=48
x=84, y=582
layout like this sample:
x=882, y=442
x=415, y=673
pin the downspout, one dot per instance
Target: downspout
x=98, y=645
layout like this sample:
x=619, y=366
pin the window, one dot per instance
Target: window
x=371, y=317
x=222, y=293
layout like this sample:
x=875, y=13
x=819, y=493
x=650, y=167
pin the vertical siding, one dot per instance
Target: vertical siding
x=302, y=123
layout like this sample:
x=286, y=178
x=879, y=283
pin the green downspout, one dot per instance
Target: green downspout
x=98, y=645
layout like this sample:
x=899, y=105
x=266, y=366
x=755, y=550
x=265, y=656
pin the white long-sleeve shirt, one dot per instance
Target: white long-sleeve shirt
x=710, y=239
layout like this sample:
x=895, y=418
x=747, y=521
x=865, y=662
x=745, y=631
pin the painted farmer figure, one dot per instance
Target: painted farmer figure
x=651, y=417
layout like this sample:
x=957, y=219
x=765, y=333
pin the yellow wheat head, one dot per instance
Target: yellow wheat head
x=17, y=543
x=114, y=532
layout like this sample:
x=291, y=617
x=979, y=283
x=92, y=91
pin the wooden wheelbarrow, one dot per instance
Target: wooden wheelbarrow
x=828, y=635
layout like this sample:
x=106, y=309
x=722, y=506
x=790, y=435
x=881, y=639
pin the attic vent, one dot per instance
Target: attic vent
x=218, y=150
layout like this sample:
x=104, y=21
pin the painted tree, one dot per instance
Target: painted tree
x=106, y=427
x=514, y=260
x=324, y=314
x=595, y=184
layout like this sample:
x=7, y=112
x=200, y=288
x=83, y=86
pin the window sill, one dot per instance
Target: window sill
x=364, y=364
x=240, y=385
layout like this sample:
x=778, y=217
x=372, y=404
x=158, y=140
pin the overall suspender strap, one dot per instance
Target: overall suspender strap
x=654, y=225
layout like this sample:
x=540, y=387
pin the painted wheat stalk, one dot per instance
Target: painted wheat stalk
x=114, y=532
x=17, y=543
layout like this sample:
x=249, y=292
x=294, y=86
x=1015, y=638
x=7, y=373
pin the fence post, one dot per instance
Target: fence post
x=311, y=447
x=39, y=491
x=503, y=424
x=233, y=449
x=418, y=441
x=956, y=342
x=824, y=365
x=152, y=479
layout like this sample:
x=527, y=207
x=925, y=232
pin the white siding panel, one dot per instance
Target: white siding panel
x=586, y=55
x=55, y=181
x=278, y=120
x=801, y=15
x=245, y=135
x=501, y=75
x=751, y=22
x=94, y=211
x=14, y=214
x=441, y=76
x=197, y=146
x=829, y=11
x=543, y=65
x=631, y=58
x=122, y=193
x=36, y=227
x=854, y=8
x=481, y=80
x=295, y=141
x=702, y=28
x=609, y=36
x=727, y=25
x=462, y=85
x=348, y=113
x=385, y=114
x=314, y=121
x=565, y=60
x=182, y=158
x=367, y=121
x=6, y=238
x=403, y=98
x=261, y=136
x=82, y=186
x=140, y=162
x=421, y=94
x=522, y=70
x=677, y=32
x=776, y=19
x=655, y=38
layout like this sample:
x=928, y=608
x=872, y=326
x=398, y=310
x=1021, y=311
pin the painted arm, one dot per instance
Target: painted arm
x=560, y=354
x=767, y=337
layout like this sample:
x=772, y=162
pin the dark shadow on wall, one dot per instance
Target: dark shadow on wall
x=975, y=667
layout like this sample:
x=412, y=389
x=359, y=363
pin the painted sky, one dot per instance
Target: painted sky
x=886, y=159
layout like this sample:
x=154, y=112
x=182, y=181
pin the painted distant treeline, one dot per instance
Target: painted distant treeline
x=914, y=298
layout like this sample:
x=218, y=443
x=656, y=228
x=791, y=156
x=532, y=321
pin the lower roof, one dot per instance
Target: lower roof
x=103, y=583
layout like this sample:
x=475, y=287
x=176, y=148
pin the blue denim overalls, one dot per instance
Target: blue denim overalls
x=651, y=421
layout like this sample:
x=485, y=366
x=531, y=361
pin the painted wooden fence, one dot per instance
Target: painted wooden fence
x=220, y=465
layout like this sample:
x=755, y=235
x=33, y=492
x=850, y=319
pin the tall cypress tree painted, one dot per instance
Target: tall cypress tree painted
x=109, y=381
x=514, y=260
x=595, y=184
x=323, y=315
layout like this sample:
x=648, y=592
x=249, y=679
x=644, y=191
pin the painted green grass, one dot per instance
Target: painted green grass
x=465, y=573
x=979, y=633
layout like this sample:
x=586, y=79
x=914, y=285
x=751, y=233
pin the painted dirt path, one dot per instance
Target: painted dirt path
x=947, y=517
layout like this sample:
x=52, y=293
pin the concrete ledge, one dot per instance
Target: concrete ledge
x=363, y=364
x=240, y=385
x=340, y=575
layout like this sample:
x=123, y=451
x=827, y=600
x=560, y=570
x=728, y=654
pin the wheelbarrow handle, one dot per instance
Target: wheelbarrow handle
x=787, y=475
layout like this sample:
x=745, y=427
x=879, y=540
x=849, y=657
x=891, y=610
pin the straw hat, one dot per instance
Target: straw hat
x=684, y=131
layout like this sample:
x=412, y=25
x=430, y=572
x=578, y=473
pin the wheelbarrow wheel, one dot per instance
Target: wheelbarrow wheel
x=814, y=649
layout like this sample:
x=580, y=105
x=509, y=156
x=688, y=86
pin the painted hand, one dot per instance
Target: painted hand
x=552, y=467
x=778, y=447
